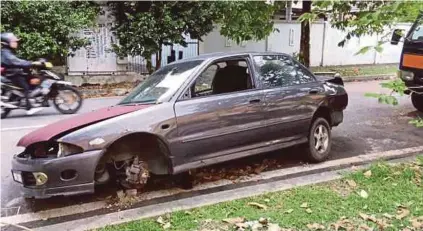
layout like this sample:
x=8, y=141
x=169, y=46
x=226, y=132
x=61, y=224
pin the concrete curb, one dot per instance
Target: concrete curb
x=264, y=178
x=368, y=78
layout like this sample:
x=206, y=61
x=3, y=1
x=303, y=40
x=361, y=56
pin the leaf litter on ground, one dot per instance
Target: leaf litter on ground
x=234, y=220
x=368, y=173
x=364, y=194
x=257, y=205
x=352, y=183
x=402, y=212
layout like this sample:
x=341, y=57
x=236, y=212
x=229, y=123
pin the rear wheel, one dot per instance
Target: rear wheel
x=417, y=100
x=68, y=100
x=319, y=141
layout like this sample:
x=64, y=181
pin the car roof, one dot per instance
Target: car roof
x=218, y=55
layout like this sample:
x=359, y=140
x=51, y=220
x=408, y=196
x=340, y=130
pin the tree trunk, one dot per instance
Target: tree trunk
x=149, y=66
x=158, y=59
x=305, y=36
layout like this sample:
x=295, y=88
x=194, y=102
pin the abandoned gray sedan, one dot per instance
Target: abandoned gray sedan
x=191, y=113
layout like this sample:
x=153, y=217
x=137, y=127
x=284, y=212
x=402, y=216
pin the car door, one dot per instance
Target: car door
x=291, y=94
x=222, y=121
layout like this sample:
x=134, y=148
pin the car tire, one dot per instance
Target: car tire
x=320, y=132
x=417, y=100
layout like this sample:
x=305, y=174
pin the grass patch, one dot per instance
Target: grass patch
x=359, y=70
x=393, y=199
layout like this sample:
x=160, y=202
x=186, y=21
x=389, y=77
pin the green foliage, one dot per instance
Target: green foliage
x=417, y=122
x=372, y=17
x=383, y=98
x=142, y=27
x=396, y=86
x=245, y=20
x=46, y=28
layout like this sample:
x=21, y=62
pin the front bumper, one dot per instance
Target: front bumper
x=83, y=164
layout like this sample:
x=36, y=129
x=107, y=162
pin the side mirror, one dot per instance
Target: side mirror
x=396, y=36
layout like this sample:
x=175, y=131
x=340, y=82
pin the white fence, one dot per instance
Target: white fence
x=324, y=45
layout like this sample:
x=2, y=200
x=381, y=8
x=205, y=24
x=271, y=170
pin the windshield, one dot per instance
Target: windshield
x=417, y=33
x=162, y=83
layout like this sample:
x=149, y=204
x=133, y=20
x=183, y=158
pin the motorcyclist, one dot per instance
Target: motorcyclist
x=14, y=67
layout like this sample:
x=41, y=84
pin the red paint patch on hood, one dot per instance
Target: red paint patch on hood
x=79, y=121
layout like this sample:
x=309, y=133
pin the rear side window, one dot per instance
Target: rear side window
x=281, y=71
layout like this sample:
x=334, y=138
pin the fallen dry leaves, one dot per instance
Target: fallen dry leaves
x=402, y=212
x=257, y=205
x=352, y=183
x=417, y=222
x=289, y=211
x=165, y=224
x=343, y=224
x=380, y=222
x=261, y=224
x=263, y=221
x=368, y=173
x=389, y=216
x=365, y=227
x=363, y=194
x=273, y=227
x=234, y=220
x=418, y=174
x=316, y=226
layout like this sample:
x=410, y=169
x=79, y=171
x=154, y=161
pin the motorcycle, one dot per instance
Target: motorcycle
x=45, y=85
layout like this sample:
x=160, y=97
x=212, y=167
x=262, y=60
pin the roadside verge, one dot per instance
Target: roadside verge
x=91, y=215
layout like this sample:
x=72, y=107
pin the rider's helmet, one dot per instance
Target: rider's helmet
x=7, y=38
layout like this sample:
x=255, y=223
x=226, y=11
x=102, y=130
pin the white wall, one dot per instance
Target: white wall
x=335, y=55
x=214, y=42
x=287, y=40
x=391, y=53
x=324, y=45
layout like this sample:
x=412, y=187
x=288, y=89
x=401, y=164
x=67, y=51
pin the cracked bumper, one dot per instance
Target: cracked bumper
x=83, y=164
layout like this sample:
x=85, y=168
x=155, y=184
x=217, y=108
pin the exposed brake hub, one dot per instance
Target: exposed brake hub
x=137, y=173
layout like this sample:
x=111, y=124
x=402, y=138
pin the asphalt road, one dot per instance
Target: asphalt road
x=368, y=127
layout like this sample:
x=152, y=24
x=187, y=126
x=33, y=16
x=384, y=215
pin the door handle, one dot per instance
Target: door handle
x=255, y=101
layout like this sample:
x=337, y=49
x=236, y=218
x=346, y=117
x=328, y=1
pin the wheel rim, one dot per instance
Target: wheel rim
x=321, y=139
x=67, y=100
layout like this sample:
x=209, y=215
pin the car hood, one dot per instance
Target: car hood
x=65, y=126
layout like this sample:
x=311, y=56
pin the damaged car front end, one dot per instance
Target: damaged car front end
x=46, y=169
x=73, y=155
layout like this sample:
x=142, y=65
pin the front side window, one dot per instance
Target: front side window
x=222, y=77
x=280, y=71
x=162, y=83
